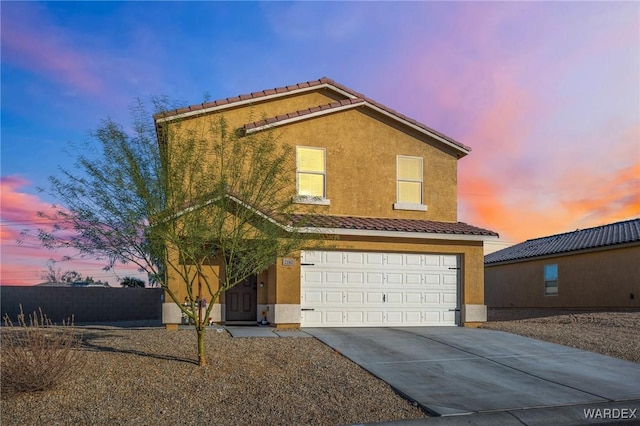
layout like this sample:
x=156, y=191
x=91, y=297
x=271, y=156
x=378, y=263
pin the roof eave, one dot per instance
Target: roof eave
x=397, y=234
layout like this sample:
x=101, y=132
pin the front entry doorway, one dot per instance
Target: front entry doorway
x=241, y=301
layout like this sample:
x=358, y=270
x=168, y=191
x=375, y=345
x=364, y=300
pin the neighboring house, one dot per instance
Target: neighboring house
x=588, y=268
x=386, y=186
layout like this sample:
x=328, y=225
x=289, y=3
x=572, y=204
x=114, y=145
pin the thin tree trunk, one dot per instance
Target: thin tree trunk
x=201, y=358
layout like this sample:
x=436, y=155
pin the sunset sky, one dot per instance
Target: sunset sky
x=547, y=94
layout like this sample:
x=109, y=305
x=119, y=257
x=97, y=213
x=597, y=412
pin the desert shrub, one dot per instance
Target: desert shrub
x=38, y=355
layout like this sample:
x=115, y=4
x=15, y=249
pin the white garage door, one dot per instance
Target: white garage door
x=369, y=289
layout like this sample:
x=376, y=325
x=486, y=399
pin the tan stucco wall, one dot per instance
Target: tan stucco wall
x=597, y=279
x=361, y=149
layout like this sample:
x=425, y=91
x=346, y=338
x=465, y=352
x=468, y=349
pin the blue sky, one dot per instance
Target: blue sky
x=547, y=94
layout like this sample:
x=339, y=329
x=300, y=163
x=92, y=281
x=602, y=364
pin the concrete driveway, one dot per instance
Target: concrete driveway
x=456, y=370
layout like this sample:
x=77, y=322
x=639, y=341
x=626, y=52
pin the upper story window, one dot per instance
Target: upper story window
x=409, y=178
x=311, y=175
x=551, y=280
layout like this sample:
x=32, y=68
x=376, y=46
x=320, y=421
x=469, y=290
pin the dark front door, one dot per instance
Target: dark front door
x=241, y=301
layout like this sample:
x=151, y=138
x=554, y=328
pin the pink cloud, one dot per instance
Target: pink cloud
x=550, y=152
x=29, y=41
x=23, y=263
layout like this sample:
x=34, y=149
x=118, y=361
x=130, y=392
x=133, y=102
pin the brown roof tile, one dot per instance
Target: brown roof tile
x=386, y=224
x=323, y=80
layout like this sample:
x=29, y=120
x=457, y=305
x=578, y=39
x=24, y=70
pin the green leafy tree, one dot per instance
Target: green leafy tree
x=131, y=282
x=182, y=202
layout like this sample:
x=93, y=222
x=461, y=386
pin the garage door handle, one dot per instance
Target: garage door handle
x=307, y=264
x=384, y=298
x=454, y=310
x=308, y=309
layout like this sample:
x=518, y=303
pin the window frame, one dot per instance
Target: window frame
x=405, y=205
x=311, y=199
x=547, y=281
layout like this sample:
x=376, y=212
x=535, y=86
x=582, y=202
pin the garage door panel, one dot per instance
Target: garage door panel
x=355, y=297
x=313, y=277
x=431, y=279
x=394, y=278
x=361, y=289
x=450, y=299
x=394, y=259
x=376, y=259
x=354, y=278
x=431, y=298
x=431, y=317
x=375, y=278
x=431, y=260
x=413, y=279
x=394, y=297
x=450, y=261
x=395, y=317
x=333, y=297
x=314, y=297
x=374, y=297
x=448, y=317
x=333, y=318
x=333, y=278
x=450, y=280
x=355, y=317
x=374, y=318
x=354, y=259
x=412, y=298
x=330, y=258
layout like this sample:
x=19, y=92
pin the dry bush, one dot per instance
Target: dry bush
x=38, y=356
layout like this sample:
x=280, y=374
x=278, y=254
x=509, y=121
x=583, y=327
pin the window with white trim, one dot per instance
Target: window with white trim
x=409, y=183
x=551, y=279
x=311, y=173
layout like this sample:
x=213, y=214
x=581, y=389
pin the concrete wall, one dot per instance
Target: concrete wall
x=94, y=304
x=607, y=278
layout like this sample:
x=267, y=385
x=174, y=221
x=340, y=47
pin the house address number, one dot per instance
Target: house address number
x=287, y=261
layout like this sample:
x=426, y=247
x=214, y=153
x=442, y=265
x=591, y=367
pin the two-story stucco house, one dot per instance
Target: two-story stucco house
x=386, y=186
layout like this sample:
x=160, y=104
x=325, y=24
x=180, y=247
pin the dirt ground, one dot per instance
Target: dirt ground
x=613, y=333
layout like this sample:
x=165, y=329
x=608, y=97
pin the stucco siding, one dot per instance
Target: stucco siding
x=596, y=279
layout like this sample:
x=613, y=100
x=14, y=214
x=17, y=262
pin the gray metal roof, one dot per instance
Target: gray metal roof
x=627, y=231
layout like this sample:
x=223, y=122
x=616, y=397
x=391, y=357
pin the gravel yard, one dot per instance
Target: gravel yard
x=144, y=376
x=613, y=333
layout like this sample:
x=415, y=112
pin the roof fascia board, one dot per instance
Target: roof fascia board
x=253, y=100
x=564, y=254
x=419, y=129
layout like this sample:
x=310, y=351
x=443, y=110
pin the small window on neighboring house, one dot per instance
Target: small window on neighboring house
x=551, y=280
x=409, y=184
x=311, y=175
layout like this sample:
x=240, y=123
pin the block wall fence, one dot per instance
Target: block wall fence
x=93, y=304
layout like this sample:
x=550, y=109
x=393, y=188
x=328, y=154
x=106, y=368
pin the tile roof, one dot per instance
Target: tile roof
x=303, y=112
x=385, y=224
x=601, y=236
x=324, y=81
